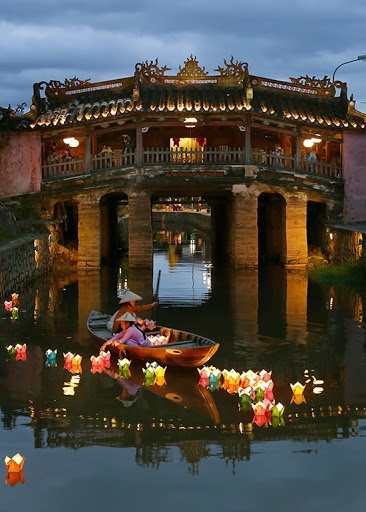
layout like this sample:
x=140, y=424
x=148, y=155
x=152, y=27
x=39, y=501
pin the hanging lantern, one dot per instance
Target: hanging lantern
x=176, y=141
x=201, y=141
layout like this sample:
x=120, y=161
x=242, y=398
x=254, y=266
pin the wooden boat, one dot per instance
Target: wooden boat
x=182, y=349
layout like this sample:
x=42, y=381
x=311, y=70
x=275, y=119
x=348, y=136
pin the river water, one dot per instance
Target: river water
x=94, y=442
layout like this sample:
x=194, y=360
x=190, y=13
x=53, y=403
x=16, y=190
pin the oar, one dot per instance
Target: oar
x=156, y=294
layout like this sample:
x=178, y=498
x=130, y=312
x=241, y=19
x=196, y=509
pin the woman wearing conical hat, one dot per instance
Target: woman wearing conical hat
x=131, y=334
x=129, y=305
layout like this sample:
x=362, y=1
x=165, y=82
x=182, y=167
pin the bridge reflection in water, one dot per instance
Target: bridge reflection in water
x=270, y=318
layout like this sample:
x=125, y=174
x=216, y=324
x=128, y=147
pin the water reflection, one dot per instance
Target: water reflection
x=270, y=319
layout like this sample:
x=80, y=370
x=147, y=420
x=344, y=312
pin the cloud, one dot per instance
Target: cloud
x=103, y=40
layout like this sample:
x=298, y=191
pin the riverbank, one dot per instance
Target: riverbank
x=352, y=272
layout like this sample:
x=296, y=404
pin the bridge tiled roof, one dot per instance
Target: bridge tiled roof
x=199, y=99
x=232, y=91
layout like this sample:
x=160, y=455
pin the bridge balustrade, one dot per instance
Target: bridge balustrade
x=65, y=168
x=161, y=156
x=180, y=156
x=116, y=159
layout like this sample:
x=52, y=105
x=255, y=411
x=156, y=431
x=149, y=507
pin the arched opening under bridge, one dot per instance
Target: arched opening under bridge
x=271, y=229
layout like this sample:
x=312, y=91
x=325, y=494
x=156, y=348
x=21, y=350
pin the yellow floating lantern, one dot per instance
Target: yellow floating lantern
x=298, y=399
x=298, y=388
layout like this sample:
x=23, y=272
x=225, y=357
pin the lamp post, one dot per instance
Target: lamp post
x=360, y=57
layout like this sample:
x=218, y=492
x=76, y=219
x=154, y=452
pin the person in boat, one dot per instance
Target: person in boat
x=130, y=335
x=129, y=305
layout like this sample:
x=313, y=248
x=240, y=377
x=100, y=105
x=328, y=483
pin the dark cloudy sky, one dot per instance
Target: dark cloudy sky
x=103, y=39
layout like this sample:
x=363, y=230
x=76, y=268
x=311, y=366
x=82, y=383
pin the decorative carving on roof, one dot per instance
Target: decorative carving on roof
x=19, y=109
x=55, y=87
x=312, y=81
x=324, y=85
x=233, y=69
x=191, y=69
x=150, y=70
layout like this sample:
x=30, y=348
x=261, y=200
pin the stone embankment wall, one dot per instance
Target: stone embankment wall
x=22, y=261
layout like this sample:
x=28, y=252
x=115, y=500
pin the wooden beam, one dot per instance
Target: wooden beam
x=248, y=148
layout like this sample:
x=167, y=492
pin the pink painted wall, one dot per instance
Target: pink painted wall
x=20, y=163
x=354, y=174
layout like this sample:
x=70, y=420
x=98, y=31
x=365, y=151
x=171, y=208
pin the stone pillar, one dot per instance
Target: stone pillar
x=296, y=232
x=140, y=242
x=243, y=229
x=296, y=305
x=244, y=296
x=89, y=297
x=89, y=233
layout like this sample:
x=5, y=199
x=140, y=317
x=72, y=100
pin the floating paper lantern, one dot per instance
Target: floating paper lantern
x=298, y=399
x=15, y=464
x=277, y=410
x=260, y=420
x=76, y=360
x=160, y=372
x=269, y=391
x=298, y=388
x=204, y=377
x=8, y=305
x=51, y=355
x=13, y=479
x=259, y=408
x=265, y=376
x=259, y=391
x=14, y=313
x=105, y=356
x=160, y=381
x=21, y=356
x=11, y=351
x=97, y=361
x=68, y=357
x=124, y=368
x=21, y=349
x=15, y=299
x=51, y=364
x=277, y=421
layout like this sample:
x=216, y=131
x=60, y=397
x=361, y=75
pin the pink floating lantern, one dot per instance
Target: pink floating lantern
x=8, y=305
x=21, y=349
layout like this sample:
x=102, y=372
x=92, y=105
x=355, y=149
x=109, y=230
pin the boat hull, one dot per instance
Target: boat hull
x=192, y=351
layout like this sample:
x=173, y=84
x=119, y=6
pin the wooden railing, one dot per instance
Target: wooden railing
x=271, y=160
x=180, y=156
x=289, y=163
x=116, y=159
x=66, y=168
x=161, y=156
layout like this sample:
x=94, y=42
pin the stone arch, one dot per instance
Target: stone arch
x=114, y=233
x=316, y=227
x=271, y=228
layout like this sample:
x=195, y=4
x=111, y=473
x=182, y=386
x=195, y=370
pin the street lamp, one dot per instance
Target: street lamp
x=360, y=57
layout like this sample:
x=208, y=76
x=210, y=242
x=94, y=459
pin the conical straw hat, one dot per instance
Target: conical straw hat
x=128, y=296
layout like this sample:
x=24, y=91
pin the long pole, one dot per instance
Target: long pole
x=156, y=294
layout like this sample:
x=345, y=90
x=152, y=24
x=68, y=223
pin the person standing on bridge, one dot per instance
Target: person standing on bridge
x=129, y=305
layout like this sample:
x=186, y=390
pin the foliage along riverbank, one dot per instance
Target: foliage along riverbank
x=349, y=273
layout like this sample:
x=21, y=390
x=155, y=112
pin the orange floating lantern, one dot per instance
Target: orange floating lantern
x=15, y=464
x=14, y=478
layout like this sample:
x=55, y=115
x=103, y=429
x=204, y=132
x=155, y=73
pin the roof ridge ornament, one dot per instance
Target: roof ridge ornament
x=191, y=69
x=325, y=85
x=233, y=69
x=150, y=70
x=53, y=87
